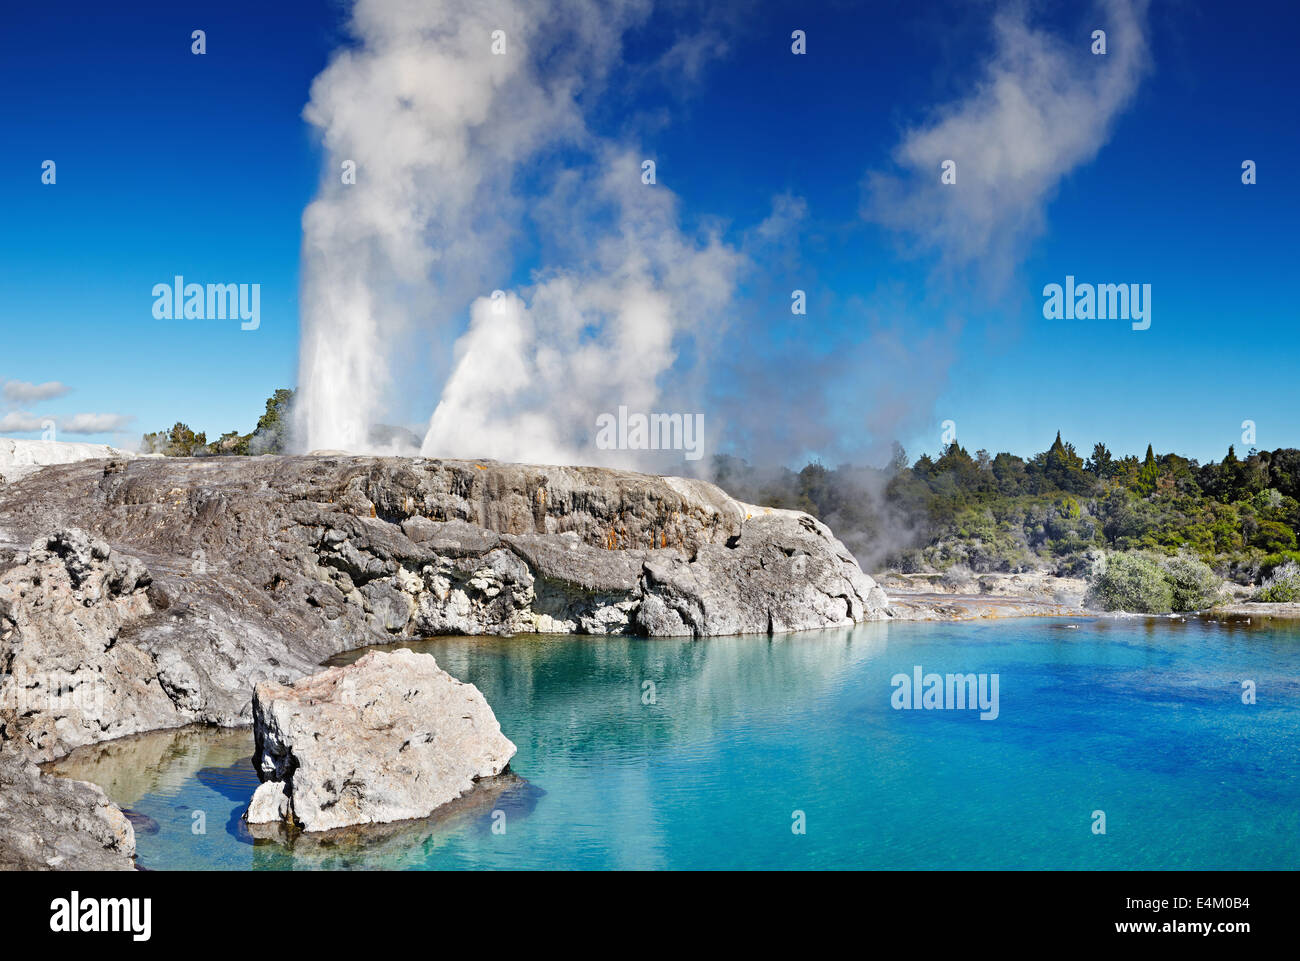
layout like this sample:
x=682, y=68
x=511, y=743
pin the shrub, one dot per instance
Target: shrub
x=1282, y=586
x=1130, y=582
x=1145, y=584
x=1195, y=586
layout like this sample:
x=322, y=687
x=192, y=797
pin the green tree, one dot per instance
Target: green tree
x=180, y=441
x=231, y=442
x=1148, y=476
x=1009, y=472
x=1101, y=464
x=272, y=433
x=1060, y=468
x=897, y=457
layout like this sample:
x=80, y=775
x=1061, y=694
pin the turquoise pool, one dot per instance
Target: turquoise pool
x=641, y=753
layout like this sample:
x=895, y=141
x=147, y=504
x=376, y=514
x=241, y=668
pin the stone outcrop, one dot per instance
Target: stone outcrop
x=69, y=677
x=324, y=550
x=67, y=680
x=391, y=737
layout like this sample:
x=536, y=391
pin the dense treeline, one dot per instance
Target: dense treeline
x=1055, y=510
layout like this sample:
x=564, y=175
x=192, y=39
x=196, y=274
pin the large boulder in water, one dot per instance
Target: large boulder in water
x=390, y=737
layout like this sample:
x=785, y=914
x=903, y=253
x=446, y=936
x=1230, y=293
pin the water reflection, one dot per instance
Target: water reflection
x=636, y=695
x=401, y=845
x=158, y=763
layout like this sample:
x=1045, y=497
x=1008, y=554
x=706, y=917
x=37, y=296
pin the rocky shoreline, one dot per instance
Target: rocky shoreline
x=149, y=594
x=1248, y=609
x=936, y=597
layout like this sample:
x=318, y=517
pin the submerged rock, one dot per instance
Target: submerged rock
x=390, y=737
x=397, y=845
x=140, y=822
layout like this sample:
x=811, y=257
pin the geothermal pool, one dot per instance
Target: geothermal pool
x=789, y=752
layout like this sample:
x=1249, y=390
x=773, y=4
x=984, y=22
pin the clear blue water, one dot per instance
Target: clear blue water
x=1142, y=719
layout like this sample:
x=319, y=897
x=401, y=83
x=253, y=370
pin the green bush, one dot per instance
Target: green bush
x=1130, y=582
x=1282, y=586
x=1142, y=583
x=272, y=433
x=1195, y=587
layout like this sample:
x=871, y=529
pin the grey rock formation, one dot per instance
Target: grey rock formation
x=391, y=737
x=68, y=680
x=22, y=458
x=308, y=556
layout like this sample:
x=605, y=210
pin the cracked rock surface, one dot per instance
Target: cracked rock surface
x=55, y=823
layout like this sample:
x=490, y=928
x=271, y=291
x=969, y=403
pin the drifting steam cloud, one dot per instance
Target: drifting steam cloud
x=1042, y=106
x=466, y=123
x=531, y=377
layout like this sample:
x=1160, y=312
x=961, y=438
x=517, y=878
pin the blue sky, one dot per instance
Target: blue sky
x=172, y=163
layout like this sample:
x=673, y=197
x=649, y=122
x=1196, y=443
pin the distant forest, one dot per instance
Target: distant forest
x=1054, y=511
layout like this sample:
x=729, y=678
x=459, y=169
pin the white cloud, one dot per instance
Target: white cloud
x=21, y=422
x=22, y=392
x=94, y=423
